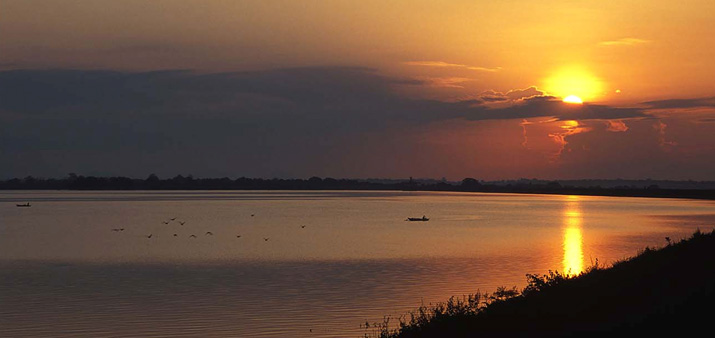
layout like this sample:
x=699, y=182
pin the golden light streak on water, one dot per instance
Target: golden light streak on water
x=573, y=238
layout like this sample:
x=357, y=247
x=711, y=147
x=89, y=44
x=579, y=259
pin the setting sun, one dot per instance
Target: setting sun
x=575, y=84
x=573, y=99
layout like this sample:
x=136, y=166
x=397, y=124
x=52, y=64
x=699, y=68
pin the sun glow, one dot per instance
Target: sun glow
x=574, y=84
x=573, y=238
x=569, y=124
x=573, y=99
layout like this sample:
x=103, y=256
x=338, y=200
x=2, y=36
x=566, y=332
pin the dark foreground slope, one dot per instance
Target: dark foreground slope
x=670, y=291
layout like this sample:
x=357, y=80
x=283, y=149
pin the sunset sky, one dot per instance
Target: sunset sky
x=358, y=89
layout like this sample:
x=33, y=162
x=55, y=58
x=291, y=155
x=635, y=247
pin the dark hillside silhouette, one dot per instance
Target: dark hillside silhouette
x=666, y=292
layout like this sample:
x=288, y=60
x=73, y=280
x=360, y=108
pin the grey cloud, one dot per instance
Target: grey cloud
x=681, y=103
x=492, y=96
x=335, y=97
x=252, y=123
x=512, y=95
x=343, y=95
x=255, y=123
x=517, y=94
x=547, y=106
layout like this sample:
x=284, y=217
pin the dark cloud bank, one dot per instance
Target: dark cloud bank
x=286, y=122
x=705, y=102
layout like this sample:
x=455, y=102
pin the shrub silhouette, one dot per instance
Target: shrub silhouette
x=666, y=291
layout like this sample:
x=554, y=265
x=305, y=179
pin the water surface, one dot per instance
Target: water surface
x=306, y=264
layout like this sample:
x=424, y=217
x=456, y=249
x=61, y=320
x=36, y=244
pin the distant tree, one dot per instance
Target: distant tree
x=330, y=182
x=470, y=183
x=152, y=182
x=554, y=184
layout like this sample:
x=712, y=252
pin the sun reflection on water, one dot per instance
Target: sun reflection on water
x=573, y=239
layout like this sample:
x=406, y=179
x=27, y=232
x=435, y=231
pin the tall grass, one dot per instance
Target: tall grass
x=555, y=292
x=460, y=308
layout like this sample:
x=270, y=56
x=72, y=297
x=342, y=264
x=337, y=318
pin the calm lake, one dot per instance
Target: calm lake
x=294, y=264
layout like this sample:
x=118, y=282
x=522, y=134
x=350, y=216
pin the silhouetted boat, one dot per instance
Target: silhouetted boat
x=417, y=219
x=23, y=205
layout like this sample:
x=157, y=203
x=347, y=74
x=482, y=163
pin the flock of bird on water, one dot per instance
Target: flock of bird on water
x=208, y=233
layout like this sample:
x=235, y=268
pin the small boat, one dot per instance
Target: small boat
x=417, y=219
x=23, y=205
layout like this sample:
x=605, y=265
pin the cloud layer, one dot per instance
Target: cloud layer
x=442, y=64
x=336, y=97
x=285, y=122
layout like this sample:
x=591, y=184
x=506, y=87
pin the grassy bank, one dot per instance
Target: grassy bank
x=665, y=291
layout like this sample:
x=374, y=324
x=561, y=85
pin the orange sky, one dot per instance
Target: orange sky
x=612, y=53
x=647, y=49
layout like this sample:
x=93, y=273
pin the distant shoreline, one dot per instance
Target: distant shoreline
x=153, y=183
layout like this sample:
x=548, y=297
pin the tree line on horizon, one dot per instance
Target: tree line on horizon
x=180, y=182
